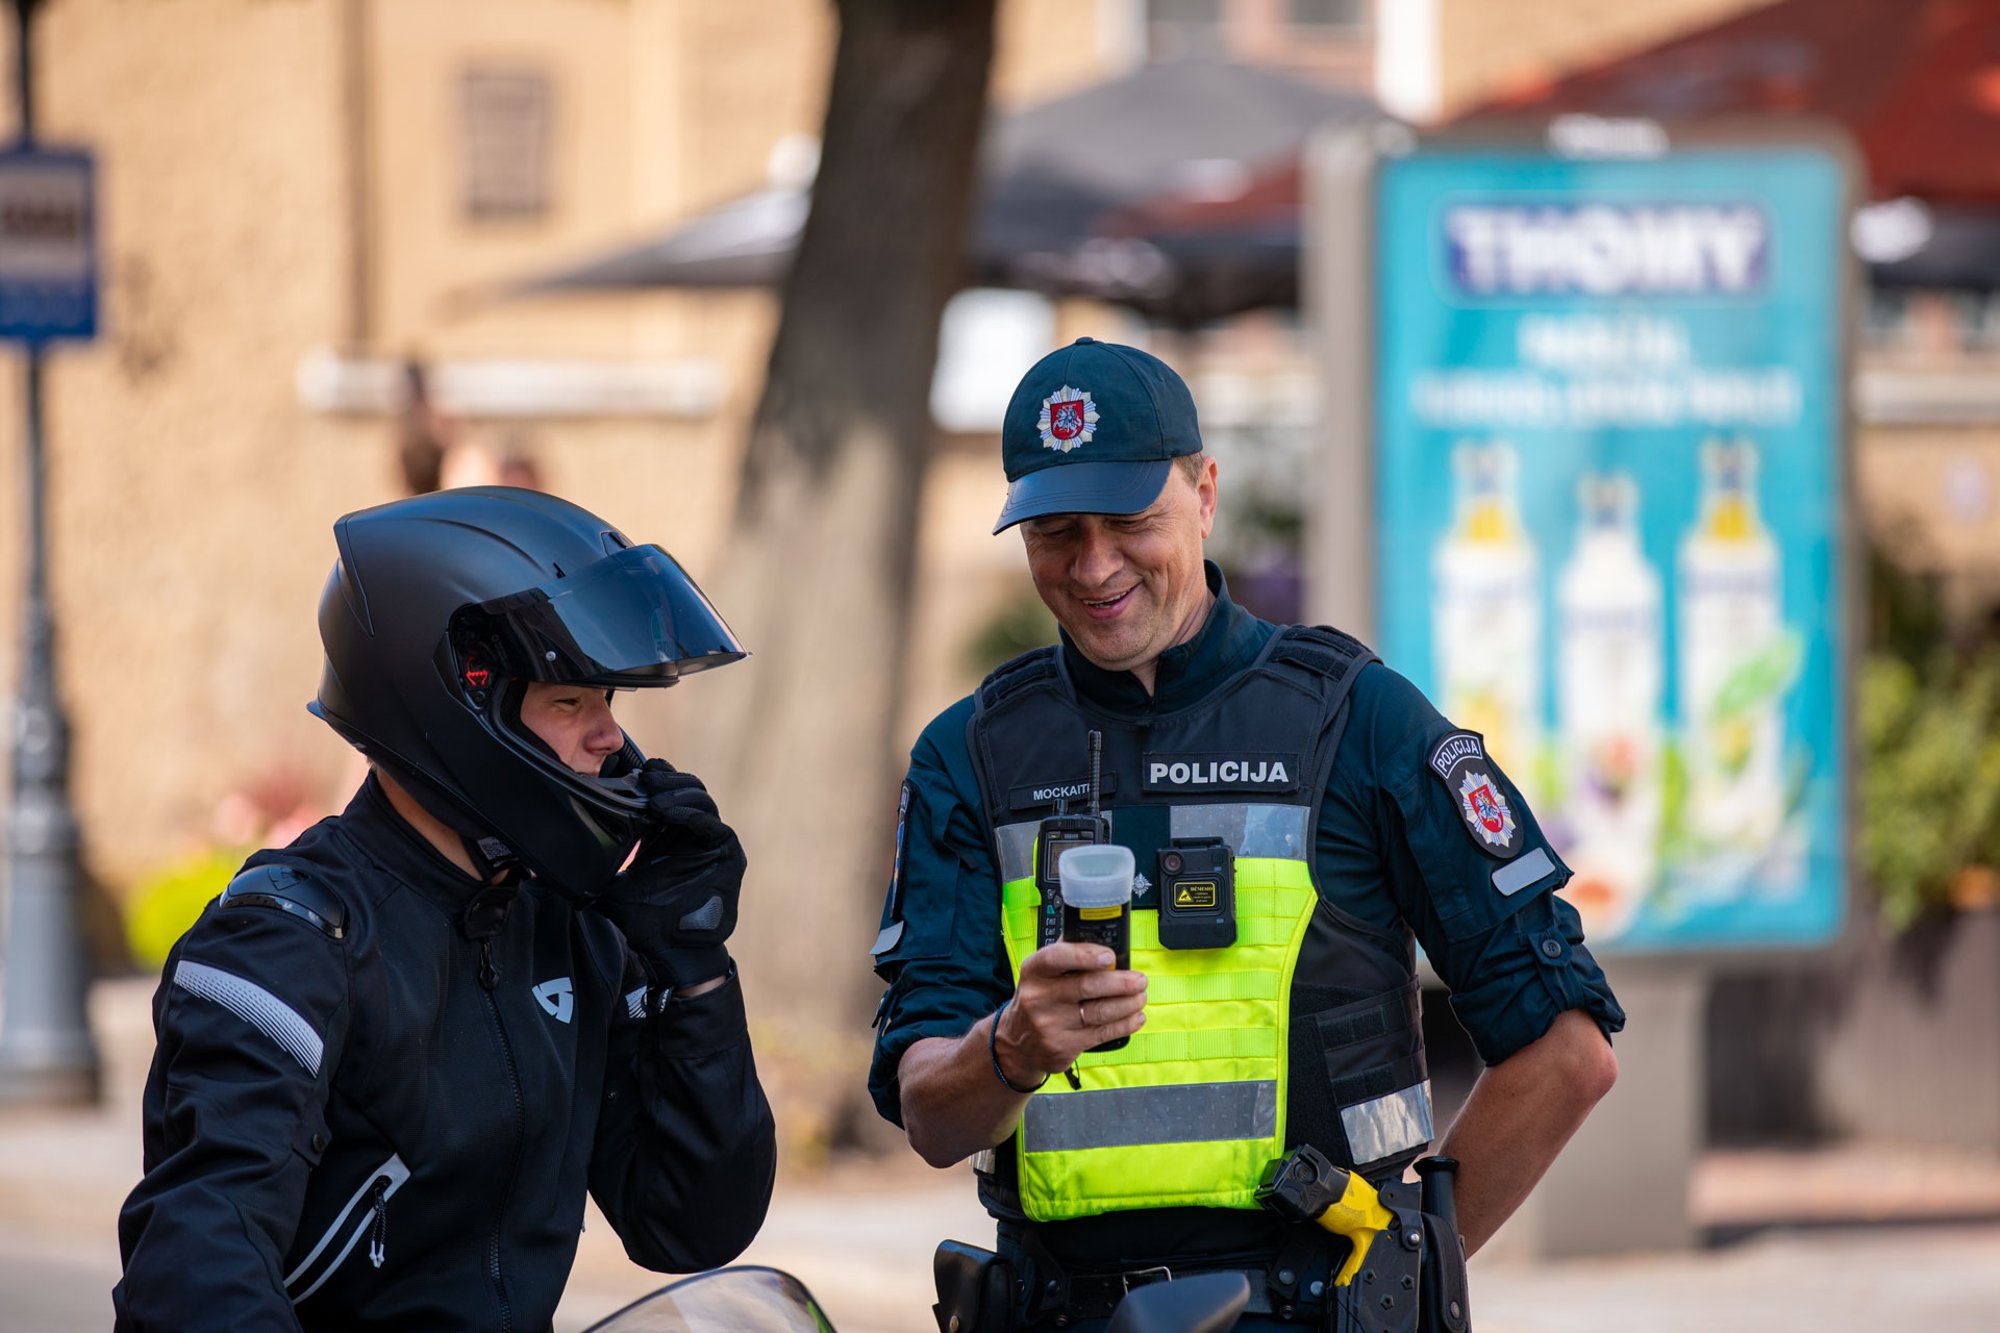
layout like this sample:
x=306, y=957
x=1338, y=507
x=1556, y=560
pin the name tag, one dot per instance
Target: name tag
x=1074, y=794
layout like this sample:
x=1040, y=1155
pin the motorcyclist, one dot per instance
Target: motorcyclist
x=393, y=1056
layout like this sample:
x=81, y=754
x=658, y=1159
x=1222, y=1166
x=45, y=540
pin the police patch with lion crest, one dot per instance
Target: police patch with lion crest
x=1460, y=762
x=1068, y=419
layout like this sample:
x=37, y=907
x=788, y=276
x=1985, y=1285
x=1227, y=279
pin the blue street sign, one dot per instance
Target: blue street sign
x=48, y=245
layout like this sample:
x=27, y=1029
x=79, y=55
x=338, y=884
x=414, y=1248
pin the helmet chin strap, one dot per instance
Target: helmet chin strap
x=494, y=860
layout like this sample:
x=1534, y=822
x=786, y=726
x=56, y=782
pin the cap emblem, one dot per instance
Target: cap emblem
x=1068, y=420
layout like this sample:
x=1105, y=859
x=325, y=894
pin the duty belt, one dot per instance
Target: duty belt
x=1095, y=1295
x=1293, y=1285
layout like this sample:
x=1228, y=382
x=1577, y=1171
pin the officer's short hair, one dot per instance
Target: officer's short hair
x=1191, y=466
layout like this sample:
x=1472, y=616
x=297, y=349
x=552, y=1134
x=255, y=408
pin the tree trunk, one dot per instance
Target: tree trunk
x=799, y=742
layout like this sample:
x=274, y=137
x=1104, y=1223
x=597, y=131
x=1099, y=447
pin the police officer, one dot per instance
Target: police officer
x=1354, y=818
x=393, y=1055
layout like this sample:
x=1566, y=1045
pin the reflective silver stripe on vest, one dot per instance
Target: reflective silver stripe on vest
x=1017, y=849
x=1174, y=1113
x=1261, y=829
x=1385, y=1126
x=255, y=1006
x=1258, y=829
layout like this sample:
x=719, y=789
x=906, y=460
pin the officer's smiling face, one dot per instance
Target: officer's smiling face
x=574, y=721
x=1127, y=587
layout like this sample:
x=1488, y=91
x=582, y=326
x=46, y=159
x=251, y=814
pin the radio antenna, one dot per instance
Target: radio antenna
x=1096, y=764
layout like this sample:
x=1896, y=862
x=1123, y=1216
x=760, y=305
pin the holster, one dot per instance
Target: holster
x=975, y=1289
x=1414, y=1278
x=1447, y=1307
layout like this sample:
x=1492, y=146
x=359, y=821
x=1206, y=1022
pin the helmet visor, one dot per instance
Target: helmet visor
x=633, y=618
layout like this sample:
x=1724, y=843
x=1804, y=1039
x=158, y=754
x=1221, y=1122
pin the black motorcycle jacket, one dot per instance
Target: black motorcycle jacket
x=380, y=1092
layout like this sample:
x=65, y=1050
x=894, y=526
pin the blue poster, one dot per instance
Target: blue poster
x=1610, y=471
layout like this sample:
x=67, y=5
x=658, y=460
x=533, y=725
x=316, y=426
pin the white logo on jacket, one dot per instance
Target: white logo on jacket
x=557, y=999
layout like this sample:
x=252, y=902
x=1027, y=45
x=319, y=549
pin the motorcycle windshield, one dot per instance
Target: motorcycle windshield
x=632, y=618
x=729, y=1300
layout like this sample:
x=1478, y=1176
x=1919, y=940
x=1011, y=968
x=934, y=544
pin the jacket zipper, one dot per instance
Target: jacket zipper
x=488, y=978
x=378, y=1235
x=368, y=1210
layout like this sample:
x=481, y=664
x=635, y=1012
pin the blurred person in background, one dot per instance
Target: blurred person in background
x=517, y=463
x=393, y=1056
x=1352, y=819
x=424, y=433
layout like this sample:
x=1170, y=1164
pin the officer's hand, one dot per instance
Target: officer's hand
x=677, y=902
x=1069, y=1000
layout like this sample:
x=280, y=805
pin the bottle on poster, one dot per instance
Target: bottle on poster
x=1610, y=674
x=1732, y=664
x=1486, y=610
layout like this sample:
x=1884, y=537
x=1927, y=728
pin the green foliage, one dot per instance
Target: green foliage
x=1930, y=776
x=1021, y=624
x=167, y=902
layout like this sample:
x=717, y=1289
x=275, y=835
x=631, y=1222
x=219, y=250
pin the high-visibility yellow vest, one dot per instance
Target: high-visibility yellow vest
x=1190, y=1110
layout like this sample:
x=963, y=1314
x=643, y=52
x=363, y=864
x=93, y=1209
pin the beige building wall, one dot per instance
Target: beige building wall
x=257, y=218
x=281, y=182
x=189, y=498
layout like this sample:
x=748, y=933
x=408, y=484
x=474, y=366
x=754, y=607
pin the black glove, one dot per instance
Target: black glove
x=677, y=902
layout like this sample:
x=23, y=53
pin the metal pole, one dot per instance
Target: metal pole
x=46, y=1052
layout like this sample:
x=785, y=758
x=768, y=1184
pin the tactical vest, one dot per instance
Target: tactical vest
x=1305, y=1030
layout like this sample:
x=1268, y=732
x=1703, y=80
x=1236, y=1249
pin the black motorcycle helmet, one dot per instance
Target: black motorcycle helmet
x=439, y=612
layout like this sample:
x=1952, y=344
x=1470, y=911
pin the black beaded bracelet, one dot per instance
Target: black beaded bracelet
x=993, y=1050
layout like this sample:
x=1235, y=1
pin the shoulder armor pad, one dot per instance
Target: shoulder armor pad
x=1016, y=674
x=286, y=890
x=1321, y=648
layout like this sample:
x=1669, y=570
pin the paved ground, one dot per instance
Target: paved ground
x=1794, y=1254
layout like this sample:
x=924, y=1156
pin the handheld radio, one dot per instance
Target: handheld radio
x=1056, y=835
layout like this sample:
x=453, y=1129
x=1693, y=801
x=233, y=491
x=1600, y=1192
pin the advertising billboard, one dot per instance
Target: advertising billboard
x=1610, y=480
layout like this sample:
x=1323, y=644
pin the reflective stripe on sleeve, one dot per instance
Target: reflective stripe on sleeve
x=255, y=1006
x=1514, y=876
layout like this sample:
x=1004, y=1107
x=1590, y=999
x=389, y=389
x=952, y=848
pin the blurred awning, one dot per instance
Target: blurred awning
x=1917, y=86
x=1057, y=180
x=1907, y=244
x=1915, y=82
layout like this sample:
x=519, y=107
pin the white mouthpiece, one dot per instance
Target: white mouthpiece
x=1098, y=876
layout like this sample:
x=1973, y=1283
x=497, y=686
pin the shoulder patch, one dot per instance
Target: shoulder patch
x=1459, y=761
x=282, y=888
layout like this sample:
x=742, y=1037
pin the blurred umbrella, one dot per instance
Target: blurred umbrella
x=1053, y=176
x=747, y=242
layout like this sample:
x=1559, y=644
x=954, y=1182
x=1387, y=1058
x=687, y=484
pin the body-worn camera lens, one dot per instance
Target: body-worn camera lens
x=1172, y=863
